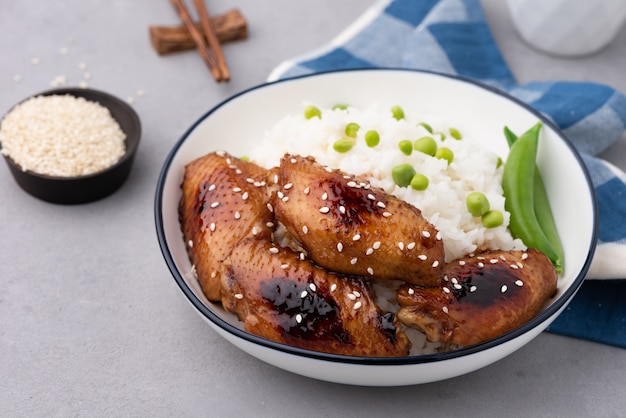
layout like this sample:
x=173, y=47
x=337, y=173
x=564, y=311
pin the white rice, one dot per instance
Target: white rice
x=442, y=203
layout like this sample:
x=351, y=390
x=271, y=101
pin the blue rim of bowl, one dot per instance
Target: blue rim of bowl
x=206, y=312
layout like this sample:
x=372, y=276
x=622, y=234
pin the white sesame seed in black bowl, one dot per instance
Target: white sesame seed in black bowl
x=70, y=145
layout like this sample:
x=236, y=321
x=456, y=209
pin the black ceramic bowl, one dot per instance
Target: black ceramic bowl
x=88, y=188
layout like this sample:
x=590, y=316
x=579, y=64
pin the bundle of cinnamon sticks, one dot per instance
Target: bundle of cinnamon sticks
x=205, y=36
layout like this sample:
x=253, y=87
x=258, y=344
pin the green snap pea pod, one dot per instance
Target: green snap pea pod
x=510, y=136
x=519, y=172
x=546, y=220
x=543, y=211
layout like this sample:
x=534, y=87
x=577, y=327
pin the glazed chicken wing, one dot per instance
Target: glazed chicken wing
x=224, y=199
x=347, y=226
x=482, y=297
x=281, y=296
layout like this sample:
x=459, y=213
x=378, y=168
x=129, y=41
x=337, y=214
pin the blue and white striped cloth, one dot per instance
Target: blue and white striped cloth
x=453, y=37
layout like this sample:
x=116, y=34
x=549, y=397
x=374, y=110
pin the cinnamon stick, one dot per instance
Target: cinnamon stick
x=211, y=37
x=198, y=39
x=230, y=26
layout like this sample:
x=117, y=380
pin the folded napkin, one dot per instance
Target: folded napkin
x=452, y=36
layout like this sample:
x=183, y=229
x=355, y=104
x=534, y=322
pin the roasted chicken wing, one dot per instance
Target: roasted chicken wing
x=281, y=296
x=224, y=199
x=482, y=297
x=347, y=226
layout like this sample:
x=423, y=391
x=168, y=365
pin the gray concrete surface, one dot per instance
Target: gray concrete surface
x=92, y=323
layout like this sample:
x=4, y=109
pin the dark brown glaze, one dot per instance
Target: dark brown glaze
x=348, y=226
x=282, y=296
x=224, y=199
x=481, y=298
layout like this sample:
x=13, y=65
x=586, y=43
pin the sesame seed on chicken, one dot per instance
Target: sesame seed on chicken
x=355, y=228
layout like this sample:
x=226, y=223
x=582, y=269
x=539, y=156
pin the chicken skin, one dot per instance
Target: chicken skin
x=307, y=283
x=482, y=297
x=347, y=226
x=224, y=200
x=282, y=296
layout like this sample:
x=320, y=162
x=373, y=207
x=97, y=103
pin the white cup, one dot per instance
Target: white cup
x=568, y=27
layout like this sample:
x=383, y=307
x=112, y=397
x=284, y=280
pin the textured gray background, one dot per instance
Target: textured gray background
x=91, y=322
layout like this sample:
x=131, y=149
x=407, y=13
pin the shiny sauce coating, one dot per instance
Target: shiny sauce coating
x=482, y=286
x=304, y=313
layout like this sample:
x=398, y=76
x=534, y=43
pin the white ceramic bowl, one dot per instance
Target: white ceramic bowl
x=236, y=122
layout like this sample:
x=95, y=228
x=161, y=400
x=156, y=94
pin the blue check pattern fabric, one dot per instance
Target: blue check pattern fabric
x=453, y=37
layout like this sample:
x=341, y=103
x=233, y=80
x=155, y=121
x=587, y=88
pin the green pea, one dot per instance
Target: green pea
x=426, y=126
x=351, y=129
x=477, y=203
x=419, y=182
x=425, y=144
x=312, y=111
x=340, y=106
x=402, y=174
x=455, y=133
x=343, y=145
x=406, y=147
x=492, y=219
x=445, y=153
x=244, y=158
x=372, y=138
x=397, y=112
